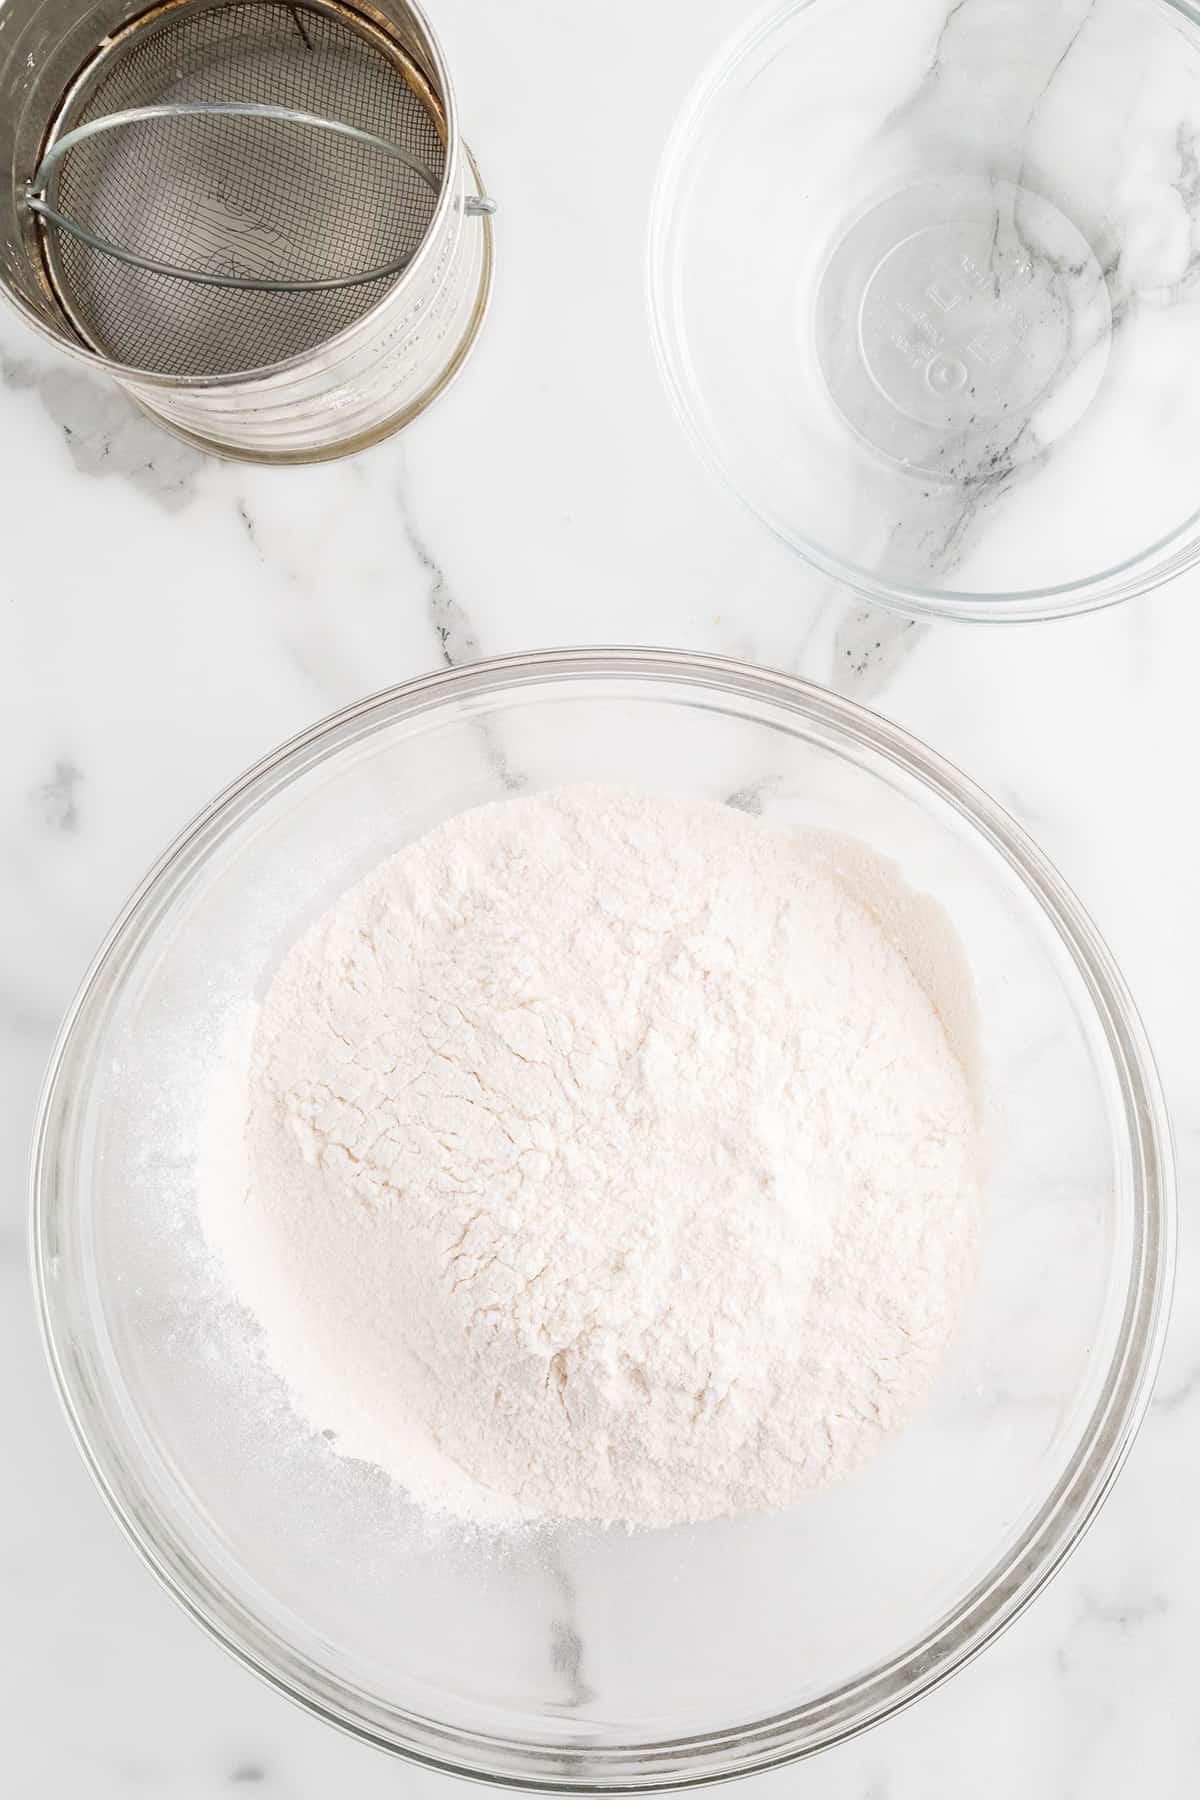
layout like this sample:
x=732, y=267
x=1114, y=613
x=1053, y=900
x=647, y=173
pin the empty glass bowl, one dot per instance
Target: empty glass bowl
x=925, y=286
x=583, y=1660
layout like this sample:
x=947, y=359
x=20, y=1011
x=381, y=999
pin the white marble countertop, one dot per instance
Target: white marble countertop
x=166, y=619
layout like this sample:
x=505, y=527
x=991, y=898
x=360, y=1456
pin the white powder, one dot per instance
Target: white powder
x=605, y=1159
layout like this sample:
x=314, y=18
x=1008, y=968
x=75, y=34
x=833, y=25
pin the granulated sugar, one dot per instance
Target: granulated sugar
x=605, y=1159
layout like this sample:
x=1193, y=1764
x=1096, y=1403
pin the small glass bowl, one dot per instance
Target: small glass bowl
x=925, y=290
x=582, y=1660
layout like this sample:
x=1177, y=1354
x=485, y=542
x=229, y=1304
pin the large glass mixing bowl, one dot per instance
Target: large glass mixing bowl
x=585, y=1660
x=925, y=286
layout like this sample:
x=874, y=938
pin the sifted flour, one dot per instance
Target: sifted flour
x=605, y=1159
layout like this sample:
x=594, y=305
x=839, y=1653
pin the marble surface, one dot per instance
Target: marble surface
x=165, y=619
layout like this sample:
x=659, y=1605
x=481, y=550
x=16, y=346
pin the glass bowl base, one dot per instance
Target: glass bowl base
x=961, y=328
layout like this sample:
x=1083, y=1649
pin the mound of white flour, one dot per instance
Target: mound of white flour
x=605, y=1159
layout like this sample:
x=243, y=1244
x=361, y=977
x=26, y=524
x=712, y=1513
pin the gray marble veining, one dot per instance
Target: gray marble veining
x=452, y=628
x=56, y=800
x=104, y=432
x=871, y=645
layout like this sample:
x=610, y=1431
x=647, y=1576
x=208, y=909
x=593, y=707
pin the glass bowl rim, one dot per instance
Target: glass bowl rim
x=981, y=1614
x=1139, y=573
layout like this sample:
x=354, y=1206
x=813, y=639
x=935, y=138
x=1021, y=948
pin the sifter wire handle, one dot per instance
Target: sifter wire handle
x=35, y=190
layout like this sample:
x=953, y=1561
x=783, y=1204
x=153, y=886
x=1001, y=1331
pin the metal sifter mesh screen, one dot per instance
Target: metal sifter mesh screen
x=240, y=196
